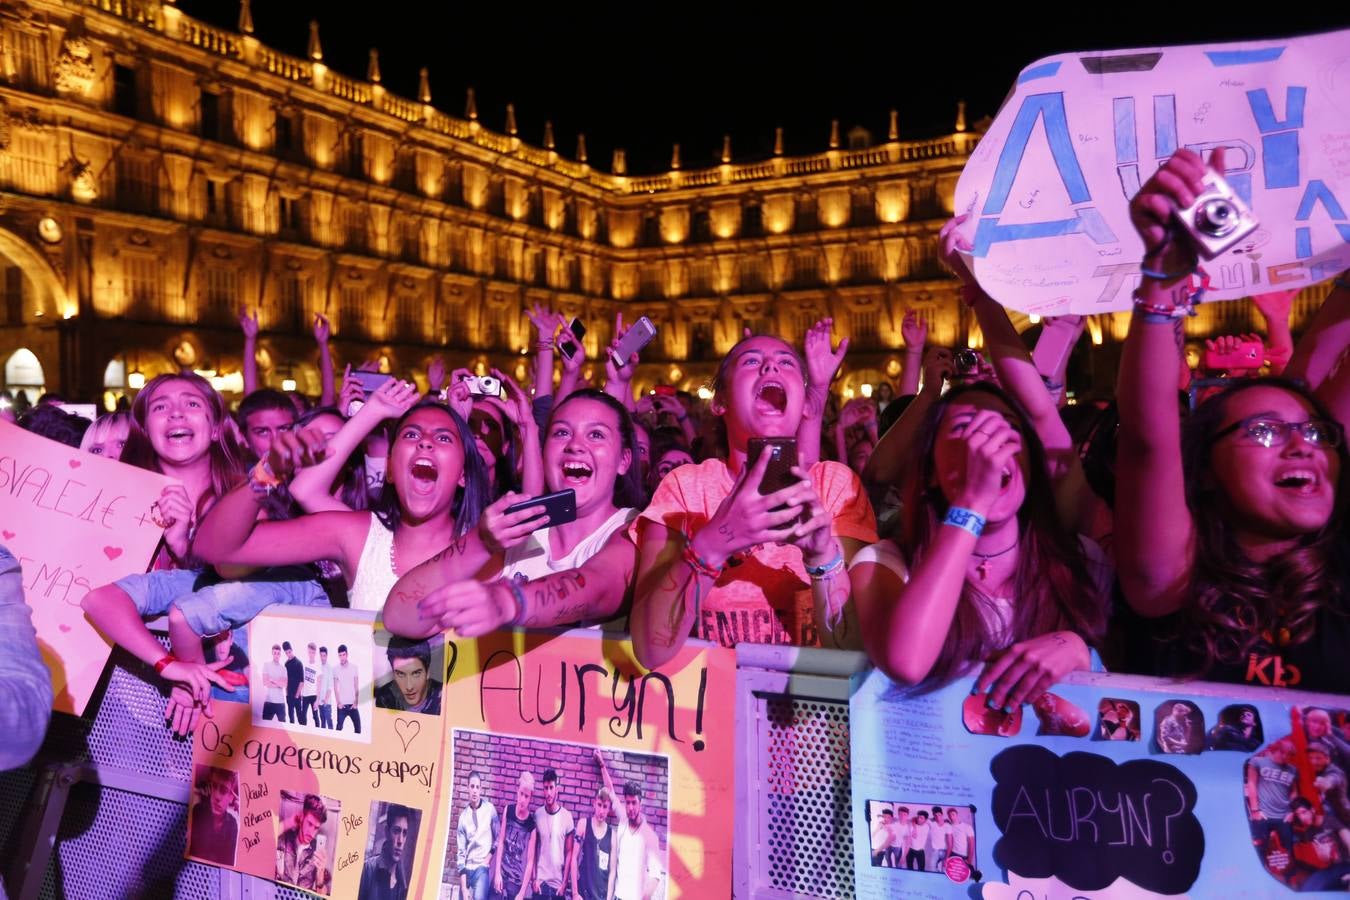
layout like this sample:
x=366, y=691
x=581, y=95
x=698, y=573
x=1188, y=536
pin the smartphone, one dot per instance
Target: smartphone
x=320, y=842
x=783, y=458
x=1247, y=355
x=566, y=347
x=1054, y=346
x=639, y=336
x=664, y=390
x=369, y=381
x=561, y=507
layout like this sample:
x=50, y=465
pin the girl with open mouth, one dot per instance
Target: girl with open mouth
x=719, y=559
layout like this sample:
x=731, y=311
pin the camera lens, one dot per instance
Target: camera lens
x=1216, y=217
x=966, y=361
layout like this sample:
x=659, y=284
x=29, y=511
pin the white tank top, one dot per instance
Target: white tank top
x=533, y=558
x=374, y=575
x=632, y=875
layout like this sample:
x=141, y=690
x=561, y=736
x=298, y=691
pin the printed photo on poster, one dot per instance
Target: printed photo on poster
x=1057, y=716
x=310, y=676
x=388, y=862
x=1117, y=720
x=213, y=829
x=614, y=806
x=232, y=645
x=981, y=718
x=1238, y=728
x=409, y=675
x=921, y=836
x=1178, y=727
x=308, y=840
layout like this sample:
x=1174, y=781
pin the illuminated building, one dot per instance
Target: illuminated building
x=157, y=174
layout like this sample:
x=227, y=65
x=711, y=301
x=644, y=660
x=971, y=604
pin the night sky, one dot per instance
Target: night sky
x=631, y=77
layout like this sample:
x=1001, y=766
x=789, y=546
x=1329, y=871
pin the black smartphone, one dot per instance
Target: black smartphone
x=566, y=347
x=561, y=507
x=783, y=458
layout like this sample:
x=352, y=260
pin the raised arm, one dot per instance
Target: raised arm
x=312, y=486
x=619, y=379
x=1155, y=535
x=823, y=360
x=327, y=388
x=248, y=324
x=915, y=332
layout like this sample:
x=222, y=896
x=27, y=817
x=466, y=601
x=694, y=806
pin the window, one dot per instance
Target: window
x=30, y=59
x=142, y=285
x=220, y=288
x=210, y=116
x=124, y=91
x=288, y=210
x=283, y=134
x=135, y=184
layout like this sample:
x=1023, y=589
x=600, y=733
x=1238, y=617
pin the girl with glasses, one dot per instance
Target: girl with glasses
x=1229, y=531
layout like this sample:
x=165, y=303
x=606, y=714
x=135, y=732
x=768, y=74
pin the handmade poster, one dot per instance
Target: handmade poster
x=1047, y=190
x=75, y=522
x=307, y=779
x=567, y=738
x=1106, y=786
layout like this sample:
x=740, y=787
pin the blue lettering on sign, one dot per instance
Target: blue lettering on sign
x=1086, y=221
x=1048, y=108
x=1045, y=70
x=1164, y=125
x=1317, y=192
x=1279, y=139
x=1243, y=57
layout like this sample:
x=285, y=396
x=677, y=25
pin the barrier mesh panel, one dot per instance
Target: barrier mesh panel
x=115, y=844
x=15, y=788
x=128, y=729
x=807, y=804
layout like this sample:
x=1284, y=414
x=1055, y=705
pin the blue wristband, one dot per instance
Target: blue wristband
x=965, y=519
x=829, y=568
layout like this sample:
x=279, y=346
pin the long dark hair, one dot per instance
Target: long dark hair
x=225, y=455
x=1053, y=588
x=470, y=500
x=628, y=486
x=1236, y=600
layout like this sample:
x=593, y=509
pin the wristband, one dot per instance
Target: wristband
x=519, y=596
x=164, y=662
x=700, y=565
x=262, y=480
x=825, y=571
x=965, y=519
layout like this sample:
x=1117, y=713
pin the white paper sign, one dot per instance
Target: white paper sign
x=1048, y=187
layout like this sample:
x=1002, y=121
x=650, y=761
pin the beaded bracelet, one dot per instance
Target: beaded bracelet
x=825, y=571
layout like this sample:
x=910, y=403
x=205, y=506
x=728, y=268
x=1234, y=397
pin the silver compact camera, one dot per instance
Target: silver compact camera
x=1218, y=219
x=484, y=386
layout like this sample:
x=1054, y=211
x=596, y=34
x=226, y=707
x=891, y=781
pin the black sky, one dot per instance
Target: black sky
x=643, y=76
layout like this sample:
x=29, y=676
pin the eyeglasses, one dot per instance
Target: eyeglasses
x=1275, y=433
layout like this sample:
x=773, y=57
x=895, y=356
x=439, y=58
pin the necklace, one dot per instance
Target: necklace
x=393, y=566
x=983, y=567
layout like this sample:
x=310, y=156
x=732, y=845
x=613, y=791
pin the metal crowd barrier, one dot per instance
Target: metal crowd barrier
x=101, y=812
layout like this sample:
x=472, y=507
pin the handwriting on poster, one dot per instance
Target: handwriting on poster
x=266, y=754
x=503, y=672
x=1086, y=820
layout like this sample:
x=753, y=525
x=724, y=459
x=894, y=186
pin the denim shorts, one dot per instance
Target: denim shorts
x=211, y=608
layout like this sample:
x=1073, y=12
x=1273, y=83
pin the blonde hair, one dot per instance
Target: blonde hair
x=107, y=427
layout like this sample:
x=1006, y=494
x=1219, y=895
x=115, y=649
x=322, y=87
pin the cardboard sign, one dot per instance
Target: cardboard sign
x=76, y=522
x=1048, y=188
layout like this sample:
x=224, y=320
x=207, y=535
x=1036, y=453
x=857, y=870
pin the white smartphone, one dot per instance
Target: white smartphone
x=639, y=336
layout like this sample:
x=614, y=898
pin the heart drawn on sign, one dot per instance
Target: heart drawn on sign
x=407, y=730
x=63, y=627
x=73, y=463
x=9, y=535
x=112, y=552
